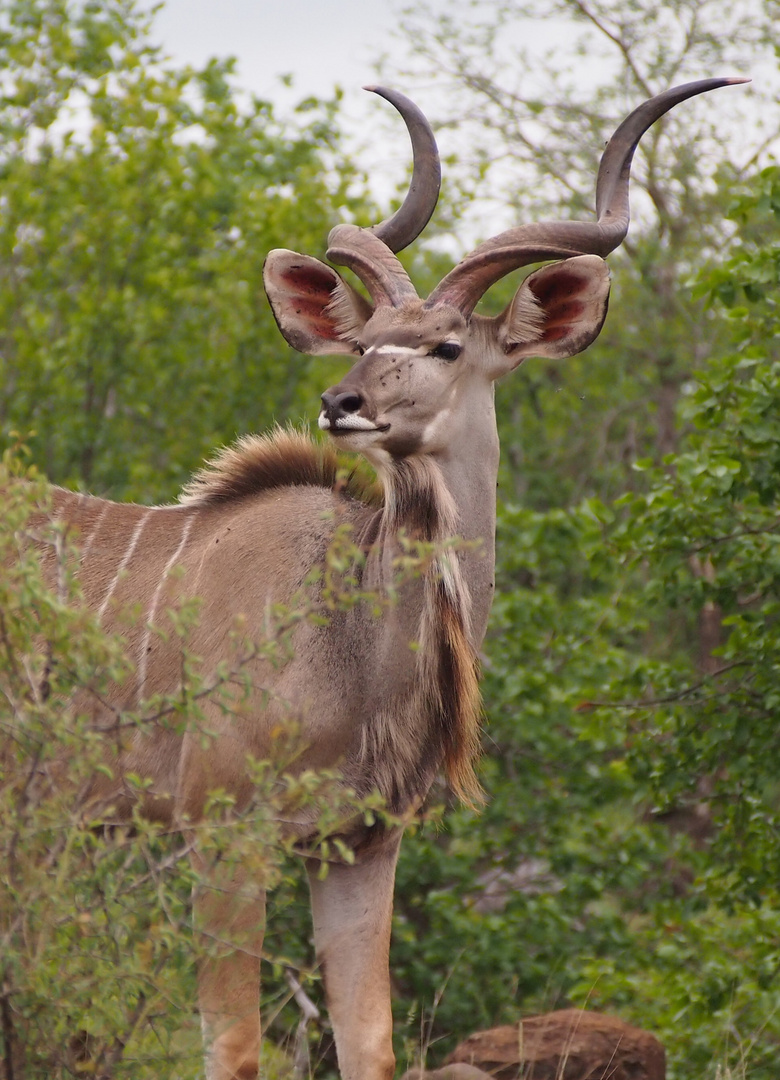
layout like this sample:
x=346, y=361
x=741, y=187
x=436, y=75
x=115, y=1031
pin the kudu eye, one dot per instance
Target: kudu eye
x=448, y=350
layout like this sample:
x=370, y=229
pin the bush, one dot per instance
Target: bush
x=98, y=956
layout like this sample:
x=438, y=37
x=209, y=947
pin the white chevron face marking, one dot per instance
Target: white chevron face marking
x=404, y=350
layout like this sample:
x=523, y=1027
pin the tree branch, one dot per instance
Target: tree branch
x=649, y=703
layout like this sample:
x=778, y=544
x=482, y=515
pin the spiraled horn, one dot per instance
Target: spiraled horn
x=493, y=259
x=415, y=212
x=370, y=252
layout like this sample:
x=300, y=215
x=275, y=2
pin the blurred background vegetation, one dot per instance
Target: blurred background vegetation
x=629, y=857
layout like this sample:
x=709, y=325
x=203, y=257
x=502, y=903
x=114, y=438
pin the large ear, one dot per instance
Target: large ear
x=315, y=309
x=557, y=311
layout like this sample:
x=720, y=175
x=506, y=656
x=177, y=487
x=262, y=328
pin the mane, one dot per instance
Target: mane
x=285, y=458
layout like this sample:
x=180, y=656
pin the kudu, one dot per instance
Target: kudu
x=388, y=700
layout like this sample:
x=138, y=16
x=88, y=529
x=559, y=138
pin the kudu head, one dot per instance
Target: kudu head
x=427, y=366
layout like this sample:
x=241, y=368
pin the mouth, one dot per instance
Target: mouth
x=348, y=425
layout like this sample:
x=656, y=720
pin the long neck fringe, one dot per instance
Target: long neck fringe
x=418, y=501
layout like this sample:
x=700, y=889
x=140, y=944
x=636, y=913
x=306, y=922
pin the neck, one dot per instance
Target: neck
x=469, y=471
x=445, y=496
x=437, y=499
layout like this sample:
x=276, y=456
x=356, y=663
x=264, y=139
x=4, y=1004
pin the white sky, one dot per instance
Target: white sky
x=319, y=42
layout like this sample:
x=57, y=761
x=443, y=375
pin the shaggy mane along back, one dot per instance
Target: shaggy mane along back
x=285, y=458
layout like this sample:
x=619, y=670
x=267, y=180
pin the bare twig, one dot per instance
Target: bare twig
x=309, y=1014
x=648, y=703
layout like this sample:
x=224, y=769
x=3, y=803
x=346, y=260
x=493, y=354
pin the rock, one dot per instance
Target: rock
x=570, y=1044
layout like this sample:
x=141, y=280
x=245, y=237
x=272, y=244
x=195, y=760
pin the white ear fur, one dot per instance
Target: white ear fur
x=315, y=309
x=523, y=321
x=557, y=311
x=348, y=309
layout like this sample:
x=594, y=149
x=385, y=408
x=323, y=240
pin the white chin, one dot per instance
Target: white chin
x=354, y=423
x=354, y=438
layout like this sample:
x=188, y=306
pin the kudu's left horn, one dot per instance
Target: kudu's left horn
x=472, y=277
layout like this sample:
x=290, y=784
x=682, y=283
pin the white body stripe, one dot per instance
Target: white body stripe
x=125, y=560
x=142, y=660
x=95, y=531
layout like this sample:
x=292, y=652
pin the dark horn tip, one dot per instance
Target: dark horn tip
x=395, y=97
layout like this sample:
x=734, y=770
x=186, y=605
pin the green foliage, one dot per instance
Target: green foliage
x=631, y=689
x=706, y=983
x=98, y=954
x=139, y=204
x=628, y=859
x=708, y=530
x=88, y=957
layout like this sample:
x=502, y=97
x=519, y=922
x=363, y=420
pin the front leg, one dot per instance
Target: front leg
x=352, y=908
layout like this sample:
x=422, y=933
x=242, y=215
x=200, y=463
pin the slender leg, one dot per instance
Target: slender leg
x=230, y=915
x=352, y=908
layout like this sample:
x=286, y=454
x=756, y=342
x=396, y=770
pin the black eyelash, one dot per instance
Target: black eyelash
x=448, y=350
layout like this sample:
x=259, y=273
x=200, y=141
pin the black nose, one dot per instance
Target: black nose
x=336, y=406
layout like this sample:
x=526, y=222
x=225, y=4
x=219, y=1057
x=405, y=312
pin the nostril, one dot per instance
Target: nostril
x=349, y=402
